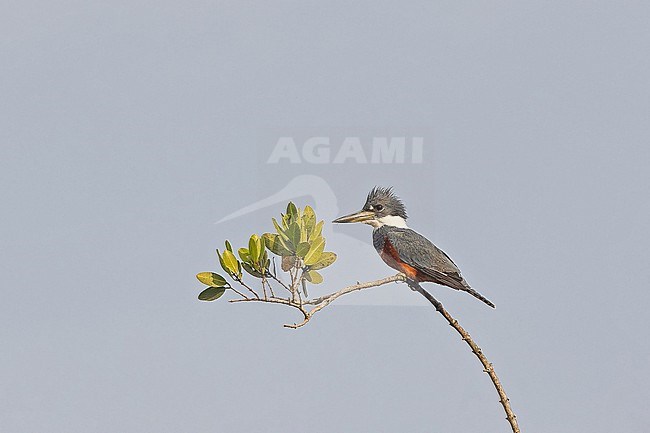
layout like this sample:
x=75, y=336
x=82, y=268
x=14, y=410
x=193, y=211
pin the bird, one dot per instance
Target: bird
x=404, y=249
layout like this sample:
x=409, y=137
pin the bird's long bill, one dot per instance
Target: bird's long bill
x=357, y=217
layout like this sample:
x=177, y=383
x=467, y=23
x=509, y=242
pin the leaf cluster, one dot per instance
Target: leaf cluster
x=299, y=240
x=299, y=243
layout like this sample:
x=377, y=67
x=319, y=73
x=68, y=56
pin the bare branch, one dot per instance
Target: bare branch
x=282, y=301
x=327, y=299
x=488, y=368
x=297, y=302
x=323, y=301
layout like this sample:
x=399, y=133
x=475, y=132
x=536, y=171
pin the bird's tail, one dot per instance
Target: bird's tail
x=477, y=295
x=455, y=281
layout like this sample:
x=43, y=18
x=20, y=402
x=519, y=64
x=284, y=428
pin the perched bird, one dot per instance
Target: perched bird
x=404, y=249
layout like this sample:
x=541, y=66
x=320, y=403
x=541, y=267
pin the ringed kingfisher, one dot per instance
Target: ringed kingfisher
x=404, y=249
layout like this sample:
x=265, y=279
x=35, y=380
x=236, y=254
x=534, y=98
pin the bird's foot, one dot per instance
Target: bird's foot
x=412, y=284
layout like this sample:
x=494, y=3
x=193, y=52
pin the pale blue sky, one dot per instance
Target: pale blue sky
x=128, y=128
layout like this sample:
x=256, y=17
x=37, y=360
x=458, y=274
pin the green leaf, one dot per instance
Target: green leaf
x=309, y=220
x=325, y=260
x=221, y=262
x=231, y=262
x=285, y=245
x=292, y=211
x=211, y=293
x=244, y=254
x=248, y=268
x=294, y=235
x=228, y=246
x=317, y=230
x=274, y=243
x=302, y=249
x=286, y=219
x=211, y=279
x=314, y=277
x=261, y=255
x=315, y=251
x=303, y=231
x=308, y=212
x=254, y=248
x=280, y=230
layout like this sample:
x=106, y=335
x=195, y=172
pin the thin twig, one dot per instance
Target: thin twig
x=264, y=288
x=282, y=301
x=359, y=286
x=240, y=281
x=266, y=281
x=279, y=281
x=324, y=301
x=238, y=292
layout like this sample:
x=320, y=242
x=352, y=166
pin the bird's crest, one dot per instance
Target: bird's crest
x=385, y=197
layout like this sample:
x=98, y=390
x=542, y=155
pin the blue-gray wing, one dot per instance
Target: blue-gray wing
x=419, y=252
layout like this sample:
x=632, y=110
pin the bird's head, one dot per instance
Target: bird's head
x=382, y=207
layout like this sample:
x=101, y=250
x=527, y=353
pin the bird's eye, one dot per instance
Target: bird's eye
x=379, y=207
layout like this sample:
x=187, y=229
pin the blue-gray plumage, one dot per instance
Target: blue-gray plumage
x=404, y=249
